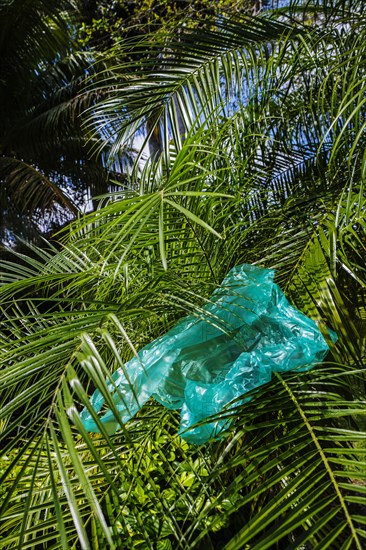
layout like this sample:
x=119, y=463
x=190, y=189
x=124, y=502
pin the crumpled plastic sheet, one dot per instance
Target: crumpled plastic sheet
x=245, y=331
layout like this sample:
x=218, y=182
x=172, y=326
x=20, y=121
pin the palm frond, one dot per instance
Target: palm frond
x=181, y=82
x=273, y=179
x=30, y=189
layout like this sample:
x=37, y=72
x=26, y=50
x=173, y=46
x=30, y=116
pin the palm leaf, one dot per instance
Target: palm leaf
x=290, y=470
x=188, y=82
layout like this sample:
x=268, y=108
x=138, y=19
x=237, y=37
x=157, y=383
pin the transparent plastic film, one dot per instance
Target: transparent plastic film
x=244, y=333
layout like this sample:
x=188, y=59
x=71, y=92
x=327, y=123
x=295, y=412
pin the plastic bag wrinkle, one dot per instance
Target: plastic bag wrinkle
x=246, y=331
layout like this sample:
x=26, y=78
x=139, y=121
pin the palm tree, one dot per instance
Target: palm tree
x=269, y=170
x=46, y=169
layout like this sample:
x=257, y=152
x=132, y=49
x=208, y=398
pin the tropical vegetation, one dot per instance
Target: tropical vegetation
x=47, y=174
x=261, y=159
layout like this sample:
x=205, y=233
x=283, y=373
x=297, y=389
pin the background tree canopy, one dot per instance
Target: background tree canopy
x=105, y=23
x=261, y=159
x=48, y=169
x=47, y=173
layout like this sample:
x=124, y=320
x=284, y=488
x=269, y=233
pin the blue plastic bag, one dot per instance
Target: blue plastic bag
x=246, y=331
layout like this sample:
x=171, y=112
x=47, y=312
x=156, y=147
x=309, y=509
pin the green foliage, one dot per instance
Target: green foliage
x=45, y=166
x=104, y=23
x=262, y=160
